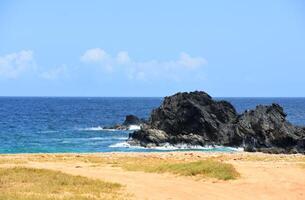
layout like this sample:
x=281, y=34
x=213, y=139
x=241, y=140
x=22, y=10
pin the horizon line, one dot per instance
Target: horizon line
x=37, y=96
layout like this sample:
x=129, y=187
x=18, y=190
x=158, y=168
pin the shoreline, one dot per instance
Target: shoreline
x=168, y=153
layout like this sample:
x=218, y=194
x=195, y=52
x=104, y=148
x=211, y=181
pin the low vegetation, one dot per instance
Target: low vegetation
x=11, y=160
x=36, y=184
x=302, y=165
x=203, y=168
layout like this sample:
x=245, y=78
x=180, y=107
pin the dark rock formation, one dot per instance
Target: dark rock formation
x=149, y=137
x=129, y=120
x=196, y=119
x=132, y=120
x=266, y=129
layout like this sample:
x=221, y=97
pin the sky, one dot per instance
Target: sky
x=235, y=48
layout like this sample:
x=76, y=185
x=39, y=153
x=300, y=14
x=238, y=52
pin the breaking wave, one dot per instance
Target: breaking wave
x=170, y=147
x=134, y=127
x=98, y=128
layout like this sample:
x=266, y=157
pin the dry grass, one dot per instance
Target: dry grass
x=191, y=165
x=36, y=184
x=302, y=165
x=9, y=160
x=202, y=168
x=268, y=158
x=67, y=158
x=261, y=157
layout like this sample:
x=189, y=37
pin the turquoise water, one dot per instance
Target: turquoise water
x=41, y=124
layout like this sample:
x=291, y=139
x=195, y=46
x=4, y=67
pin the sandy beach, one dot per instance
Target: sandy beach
x=262, y=176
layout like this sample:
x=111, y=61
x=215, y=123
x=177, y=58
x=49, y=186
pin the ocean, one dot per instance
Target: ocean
x=72, y=124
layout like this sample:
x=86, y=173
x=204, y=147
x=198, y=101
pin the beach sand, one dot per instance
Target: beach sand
x=262, y=176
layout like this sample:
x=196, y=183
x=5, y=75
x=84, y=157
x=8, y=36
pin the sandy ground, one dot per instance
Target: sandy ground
x=262, y=177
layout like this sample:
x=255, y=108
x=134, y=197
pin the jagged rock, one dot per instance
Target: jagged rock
x=116, y=127
x=195, y=118
x=195, y=113
x=149, y=137
x=266, y=127
x=129, y=120
x=132, y=120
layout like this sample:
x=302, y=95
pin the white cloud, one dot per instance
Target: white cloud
x=123, y=57
x=121, y=65
x=95, y=55
x=191, y=62
x=144, y=70
x=55, y=73
x=170, y=70
x=14, y=64
x=98, y=56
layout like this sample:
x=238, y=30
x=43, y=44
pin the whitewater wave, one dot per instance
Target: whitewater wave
x=98, y=128
x=134, y=127
x=123, y=145
x=170, y=147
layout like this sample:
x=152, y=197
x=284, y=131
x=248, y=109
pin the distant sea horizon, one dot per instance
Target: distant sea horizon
x=217, y=97
x=51, y=124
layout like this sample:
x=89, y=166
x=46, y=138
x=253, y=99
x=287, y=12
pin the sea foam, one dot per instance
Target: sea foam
x=134, y=127
x=98, y=128
x=170, y=147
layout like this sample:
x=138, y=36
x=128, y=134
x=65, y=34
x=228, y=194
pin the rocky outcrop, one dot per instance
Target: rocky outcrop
x=132, y=120
x=265, y=129
x=129, y=121
x=196, y=119
x=149, y=137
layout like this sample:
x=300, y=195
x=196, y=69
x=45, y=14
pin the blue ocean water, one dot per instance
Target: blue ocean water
x=62, y=124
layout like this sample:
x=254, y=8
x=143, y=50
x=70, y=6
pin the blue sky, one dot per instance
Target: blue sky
x=152, y=48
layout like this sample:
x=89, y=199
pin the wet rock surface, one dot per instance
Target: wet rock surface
x=196, y=119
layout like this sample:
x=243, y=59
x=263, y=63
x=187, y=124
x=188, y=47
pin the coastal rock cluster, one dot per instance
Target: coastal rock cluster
x=129, y=122
x=196, y=119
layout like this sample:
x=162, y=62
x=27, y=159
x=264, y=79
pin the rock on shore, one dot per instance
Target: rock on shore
x=196, y=119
